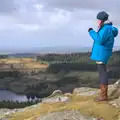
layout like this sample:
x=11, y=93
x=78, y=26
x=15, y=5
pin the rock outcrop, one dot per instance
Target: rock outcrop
x=85, y=91
x=78, y=105
x=114, y=90
x=56, y=96
x=57, y=92
x=114, y=94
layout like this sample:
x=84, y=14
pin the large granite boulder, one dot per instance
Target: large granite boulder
x=85, y=91
x=57, y=92
x=56, y=99
x=56, y=96
x=114, y=90
x=114, y=94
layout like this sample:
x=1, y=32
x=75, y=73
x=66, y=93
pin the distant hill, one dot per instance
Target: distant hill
x=62, y=49
x=42, y=50
x=24, y=55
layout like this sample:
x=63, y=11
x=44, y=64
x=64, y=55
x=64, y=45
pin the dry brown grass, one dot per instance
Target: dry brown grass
x=28, y=63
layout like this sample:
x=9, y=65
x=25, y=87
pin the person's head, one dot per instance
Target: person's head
x=102, y=17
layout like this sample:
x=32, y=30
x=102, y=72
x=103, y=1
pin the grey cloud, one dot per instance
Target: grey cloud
x=111, y=5
x=7, y=6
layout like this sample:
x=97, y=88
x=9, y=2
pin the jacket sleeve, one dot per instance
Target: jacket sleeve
x=115, y=31
x=99, y=37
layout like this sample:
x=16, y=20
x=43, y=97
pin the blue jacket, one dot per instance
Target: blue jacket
x=103, y=42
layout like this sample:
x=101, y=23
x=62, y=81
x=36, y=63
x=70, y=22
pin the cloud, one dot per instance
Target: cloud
x=111, y=6
x=38, y=7
x=7, y=6
x=29, y=27
x=52, y=22
x=86, y=4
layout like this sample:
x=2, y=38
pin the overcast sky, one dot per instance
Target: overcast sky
x=26, y=24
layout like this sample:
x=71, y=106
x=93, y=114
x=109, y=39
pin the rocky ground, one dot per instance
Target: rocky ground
x=78, y=105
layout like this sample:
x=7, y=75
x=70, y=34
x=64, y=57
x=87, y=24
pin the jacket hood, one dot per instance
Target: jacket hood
x=115, y=31
x=108, y=22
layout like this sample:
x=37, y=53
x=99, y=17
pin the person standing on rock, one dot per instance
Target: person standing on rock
x=102, y=50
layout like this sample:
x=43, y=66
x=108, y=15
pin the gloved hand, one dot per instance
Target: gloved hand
x=90, y=29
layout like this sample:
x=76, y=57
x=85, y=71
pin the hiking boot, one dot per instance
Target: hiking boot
x=103, y=95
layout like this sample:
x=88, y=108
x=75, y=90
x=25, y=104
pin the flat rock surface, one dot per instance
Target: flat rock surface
x=85, y=91
x=65, y=115
x=56, y=99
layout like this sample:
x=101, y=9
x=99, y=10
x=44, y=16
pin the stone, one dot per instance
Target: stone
x=114, y=91
x=115, y=102
x=68, y=94
x=117, y=84
x=114, y=94
x=57, y=92
x=118, y=102
x=56, y=99
x=85, y=91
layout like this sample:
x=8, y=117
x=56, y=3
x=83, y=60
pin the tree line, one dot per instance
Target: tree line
x=16, y=104
x=79, y=61
x=83, y=58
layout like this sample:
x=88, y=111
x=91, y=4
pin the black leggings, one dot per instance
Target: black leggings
x=103, y=75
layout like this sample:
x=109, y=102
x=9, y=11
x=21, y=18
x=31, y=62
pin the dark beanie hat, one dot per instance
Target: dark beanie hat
x=102, y=16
